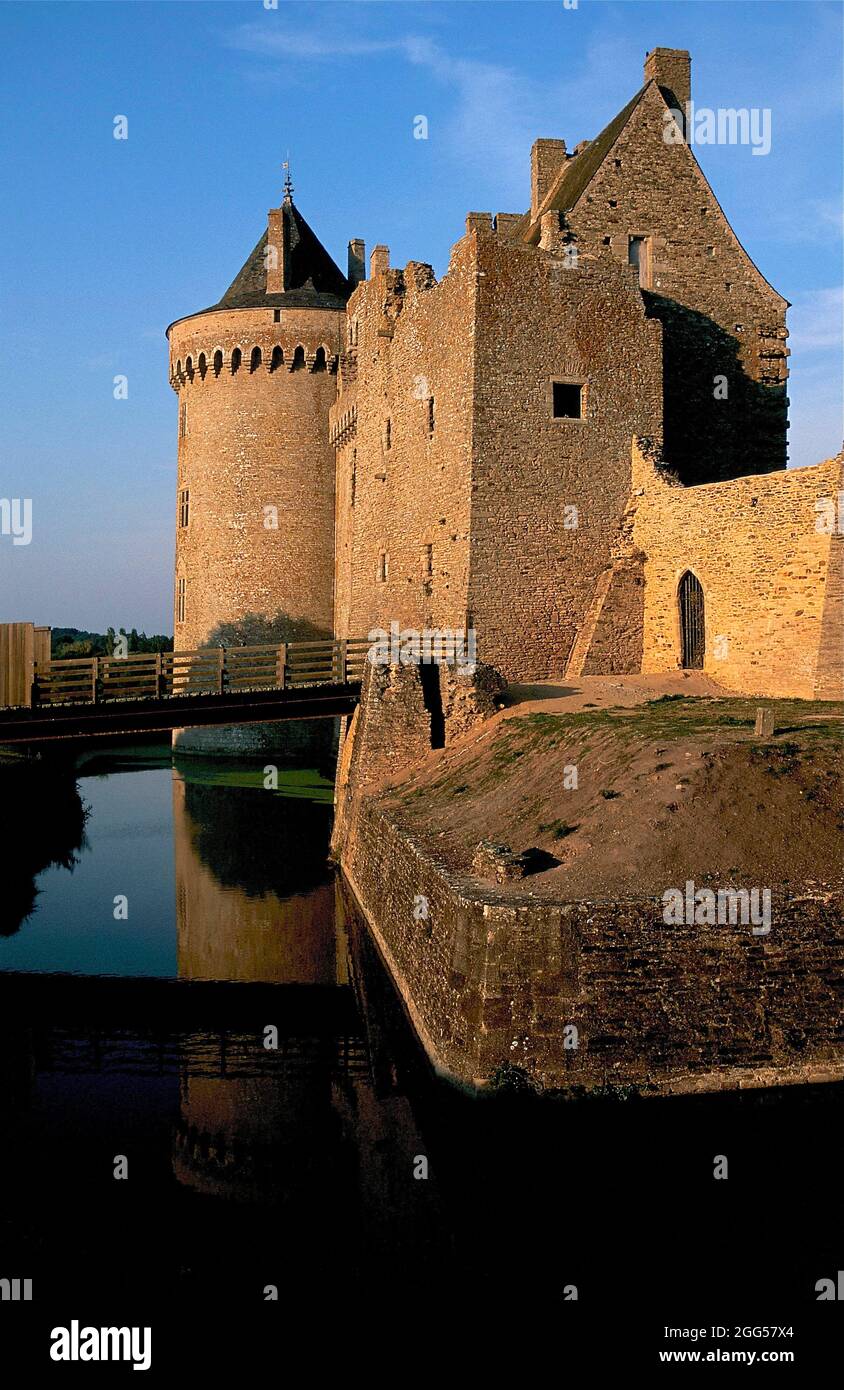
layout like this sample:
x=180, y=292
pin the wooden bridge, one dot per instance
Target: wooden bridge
x=140, y=693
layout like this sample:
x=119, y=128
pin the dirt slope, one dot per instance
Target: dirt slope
x=668, y=790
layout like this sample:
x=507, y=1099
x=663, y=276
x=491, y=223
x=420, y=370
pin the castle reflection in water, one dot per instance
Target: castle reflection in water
x=314, y=1137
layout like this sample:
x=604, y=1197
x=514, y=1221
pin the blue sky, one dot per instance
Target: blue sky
x=104, y=242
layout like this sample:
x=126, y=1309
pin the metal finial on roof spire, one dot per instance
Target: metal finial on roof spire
x=288, y=186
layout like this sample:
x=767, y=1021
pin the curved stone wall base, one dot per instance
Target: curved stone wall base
x=296, y=742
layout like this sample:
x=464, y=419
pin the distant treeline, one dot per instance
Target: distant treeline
x=74, y=641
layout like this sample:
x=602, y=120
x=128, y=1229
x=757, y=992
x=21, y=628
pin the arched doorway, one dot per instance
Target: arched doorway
x=692, y=625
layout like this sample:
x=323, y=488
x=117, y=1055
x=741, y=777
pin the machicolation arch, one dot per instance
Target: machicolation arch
x=271, y=358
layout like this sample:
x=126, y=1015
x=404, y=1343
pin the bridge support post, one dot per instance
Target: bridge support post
x=281, y=666
x=341, y=650
x=24, y=651
x=95, y=677
x=159, y=677
x=221, y=681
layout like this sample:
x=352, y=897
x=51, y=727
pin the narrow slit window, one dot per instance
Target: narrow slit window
x=184, y=507
x=431, y=415
x=181, y=598
x=567, y=400
x=383, y=567
x=183, y=419
x=388, y=433
x=427, y=561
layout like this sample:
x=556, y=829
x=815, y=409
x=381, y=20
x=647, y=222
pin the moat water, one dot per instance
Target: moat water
x=200, y=911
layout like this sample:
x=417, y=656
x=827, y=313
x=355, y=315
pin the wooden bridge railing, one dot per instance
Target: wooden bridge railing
x=210, y=670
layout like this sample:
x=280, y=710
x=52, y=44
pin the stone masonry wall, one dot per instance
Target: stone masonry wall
x=678, y=1008
x=720, y=316
x=392, y=728
x=613, y=641
x=771, y=578
x=412, y=344
x=533, y=572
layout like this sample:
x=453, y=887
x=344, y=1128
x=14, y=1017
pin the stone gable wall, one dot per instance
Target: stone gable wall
x=647, y=187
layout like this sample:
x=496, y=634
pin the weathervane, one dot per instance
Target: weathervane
x=288, y=186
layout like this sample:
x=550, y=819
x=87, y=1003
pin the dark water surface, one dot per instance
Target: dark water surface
x=298, y=1168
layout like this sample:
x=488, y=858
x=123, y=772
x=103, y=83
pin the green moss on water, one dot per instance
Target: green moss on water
x=295, y=783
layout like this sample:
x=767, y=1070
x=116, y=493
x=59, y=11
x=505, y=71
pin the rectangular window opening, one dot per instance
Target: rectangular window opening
x=638, y=254
x=184, y=507
x=383, y=567
x=567, y=400
x=431, y=417
x=181, y=596
x=276, y=316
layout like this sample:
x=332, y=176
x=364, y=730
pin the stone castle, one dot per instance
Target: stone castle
x=574, y=443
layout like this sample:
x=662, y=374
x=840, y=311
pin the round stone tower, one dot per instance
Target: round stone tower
x=255, y=376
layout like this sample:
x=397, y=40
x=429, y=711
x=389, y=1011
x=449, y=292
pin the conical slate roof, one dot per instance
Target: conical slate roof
x=313, y=281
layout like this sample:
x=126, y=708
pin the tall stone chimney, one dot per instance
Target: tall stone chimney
x=546, y=160
x=379, y=261
x=357, y=262
x=671, y=69
x=276, y=250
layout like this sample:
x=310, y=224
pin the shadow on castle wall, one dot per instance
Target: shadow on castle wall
x=255, y=629
x=709, y=438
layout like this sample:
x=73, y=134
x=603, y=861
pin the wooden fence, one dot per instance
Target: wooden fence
x=210, y=670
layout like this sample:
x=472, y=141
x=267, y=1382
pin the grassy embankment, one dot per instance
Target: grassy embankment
x=672, y=789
